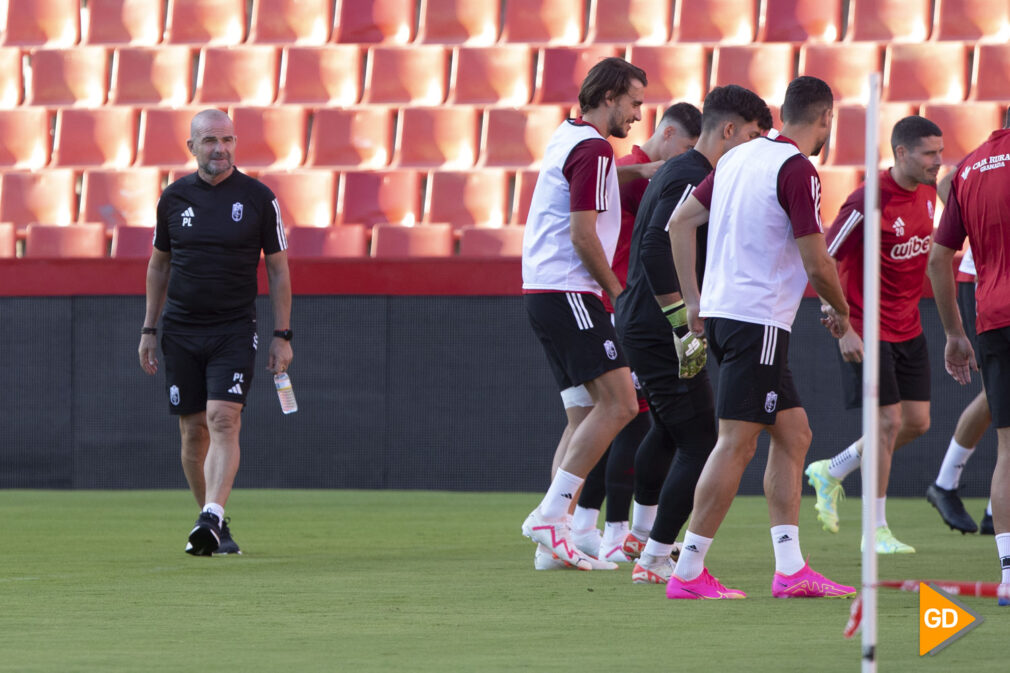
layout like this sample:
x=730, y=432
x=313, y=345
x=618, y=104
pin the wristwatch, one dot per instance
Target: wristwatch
x=285, y=334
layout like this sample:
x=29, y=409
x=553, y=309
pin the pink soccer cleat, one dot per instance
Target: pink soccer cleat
x=704, y=586
x=806, y=583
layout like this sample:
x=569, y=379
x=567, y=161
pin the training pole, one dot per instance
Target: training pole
x=871, y=359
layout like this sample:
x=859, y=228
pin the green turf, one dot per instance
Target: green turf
x=428, y=581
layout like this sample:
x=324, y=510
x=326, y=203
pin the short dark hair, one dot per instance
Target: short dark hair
x=911, y=130
x=685, y=114
x=806, y=99
x=734, y=100
x=611, y=75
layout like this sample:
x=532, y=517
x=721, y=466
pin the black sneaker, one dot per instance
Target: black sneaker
x=227, y=545
x=985, y=526
x=205, y=537
x=951, y=509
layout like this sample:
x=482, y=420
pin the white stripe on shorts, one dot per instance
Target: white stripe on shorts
x=579, y=310
x=771, y=339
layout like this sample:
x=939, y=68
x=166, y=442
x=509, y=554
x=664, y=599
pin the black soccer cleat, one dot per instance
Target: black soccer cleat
x=951, y=509
x=205, y=537
x=985, y=526
x=227, y=544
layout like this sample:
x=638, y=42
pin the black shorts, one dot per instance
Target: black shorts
x=211, y=367
x=994, y=361
x=966, y=302
x=674, y=399
x=577, y=335
x=755, y=382
x=904, y=374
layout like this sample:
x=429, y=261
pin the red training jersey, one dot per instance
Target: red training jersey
x=631, y=196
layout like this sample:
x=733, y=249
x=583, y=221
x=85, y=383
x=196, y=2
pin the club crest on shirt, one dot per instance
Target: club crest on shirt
x=610, y=348
x=771, y=401
x=173, y=395
x=236, y=211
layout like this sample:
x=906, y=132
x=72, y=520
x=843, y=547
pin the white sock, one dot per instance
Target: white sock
x=988, y=508
x=882, y=512
x=692, y=556
x=584, y=519
x=642, y=518
x=845, y=463
x=657, y=549
x=1003, y=547
x=614, y=532
x=786, y=544
x=215, y=509
x=954, y=460
x=559, y=496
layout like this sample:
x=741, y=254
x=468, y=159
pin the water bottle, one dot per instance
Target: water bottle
x=285, y=393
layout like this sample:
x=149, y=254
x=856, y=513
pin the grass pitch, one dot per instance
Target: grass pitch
x=431, y=581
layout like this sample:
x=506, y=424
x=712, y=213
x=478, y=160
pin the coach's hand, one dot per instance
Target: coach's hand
x=148, y=352
x=851, y=346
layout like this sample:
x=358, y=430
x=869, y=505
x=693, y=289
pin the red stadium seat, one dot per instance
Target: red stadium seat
x=373, y=197
x=132, y=242
x=304, y=22
x=888, y=20
x=392, y=241
x=639, y=133
x=271, y=137
x=162, y=138
x=766, y=69
x=24, y=138
x=473, y=22
x=560, y=71
x=124, y=22
x=845, y=66
x=65, y=77
x=965, y=126
x=847, y=144
x=837, y=183
x=516, y=138
x=800, y=21
x=307, y=197
x=42, y=23
x=444, y=137
x=406, y=75
x=151, y=75
x=629, y=22
x=324, y=76
x=972, y=20
x=522, y=195
x=351, y=138
x=460, y=198
x=990, y=76
x=45, y=196
x=105, y=137
x=11, y=78
x=8, y=240
x=491, y=242
x=205, y=22
x=241, y=75
x=554, y=22
x=715, y=21
x=127, y=197
x=931, y=71
x=348, y=240
x=675, y=71
x=78, y=240
x=498, y=75
x=373, y=21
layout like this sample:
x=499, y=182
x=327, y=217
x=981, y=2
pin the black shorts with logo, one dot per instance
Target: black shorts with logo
x=207, y=367
x=994, y=361
x=904, y=374
x=577, y=335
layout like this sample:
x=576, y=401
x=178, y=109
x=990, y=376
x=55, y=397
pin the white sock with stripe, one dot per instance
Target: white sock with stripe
x=786, y=545
x=846, y=462
x=692, y=556
x=559, y=496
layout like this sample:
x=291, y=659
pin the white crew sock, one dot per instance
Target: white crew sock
x=692, y=556
x=584, y=519
x=882, y=512
x=1003, y=547
x=642, y=518
x=657, y=549
x=614, y=532
x=559, y=496
x=786, y=544
x=845, y=463
x=215, y=509
x=988, y=508
x=954, y=460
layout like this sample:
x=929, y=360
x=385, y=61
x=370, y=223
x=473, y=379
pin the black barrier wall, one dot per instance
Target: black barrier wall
x=393, y=392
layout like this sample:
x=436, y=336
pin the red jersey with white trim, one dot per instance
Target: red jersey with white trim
x=906, y=228
x=979, y=207
x=631, y=196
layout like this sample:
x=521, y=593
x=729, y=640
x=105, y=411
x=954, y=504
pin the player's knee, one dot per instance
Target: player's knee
x=917, y=427
x=223, y=421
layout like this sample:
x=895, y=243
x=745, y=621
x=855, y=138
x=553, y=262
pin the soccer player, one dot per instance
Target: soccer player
x=764, y=241
x=683, y=410
x=978, y=208
x=568, y=246
x=907, y=202
x=211, y=227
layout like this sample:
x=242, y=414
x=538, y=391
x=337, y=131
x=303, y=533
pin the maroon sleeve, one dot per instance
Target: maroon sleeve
x=951, y=232
x=846, y=233
x=800, y=195
x=586, y=171
x=703, y=192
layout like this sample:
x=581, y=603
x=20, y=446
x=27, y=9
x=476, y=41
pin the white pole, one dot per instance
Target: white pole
x=871, y=359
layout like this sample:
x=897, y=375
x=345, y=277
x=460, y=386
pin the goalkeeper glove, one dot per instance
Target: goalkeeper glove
x=691, y=349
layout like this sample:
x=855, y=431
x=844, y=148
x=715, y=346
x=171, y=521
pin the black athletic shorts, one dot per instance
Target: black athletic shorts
x=674, y=399
x=904, y=374
x=966, y=302
x=994, y=361
x=755, y=382
x=207, y=367
x=577, y=335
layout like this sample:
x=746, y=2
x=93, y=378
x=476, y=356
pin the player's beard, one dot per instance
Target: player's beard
x=209, y=168
x=616, y=126
x=818, y=148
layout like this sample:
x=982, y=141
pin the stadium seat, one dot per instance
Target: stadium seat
x=303, y=22
x=443, y=137
x=461, y=198
x=8, y=241
x=45, y=196
x=522, y=195
x=888, y=20
x=845, y=66
x=11, y=78
x=639, y=133
x=491, y=242
x=162, y=138
x=41, y=23
x=560, y=71
x=78, y=240
x=393, y=241
x=972, y=20
x=765, y=68
x=132, y=242
x=151, y=75
x=990, y=75
x=554, y=22
x=837, y=182
x=307, y=197
x=65, y=77
x=124, y=22
x=965, y=125
x=127, y=197
x=24, y=138
x=348, y=240
x=205, y=22
x=241, y=75
x=498, y=75
x=359, y=138
x=675, y=71
x=406, y=75
x=715, y=21
x=373, y=197
x=320, y=76
x=800, y=21
x=847, y=144
x=473, y=22
x=516, y=137
x=931, y=71
x=629, y=22
x=270, y=137
x=104, y=137
x=374, y=21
